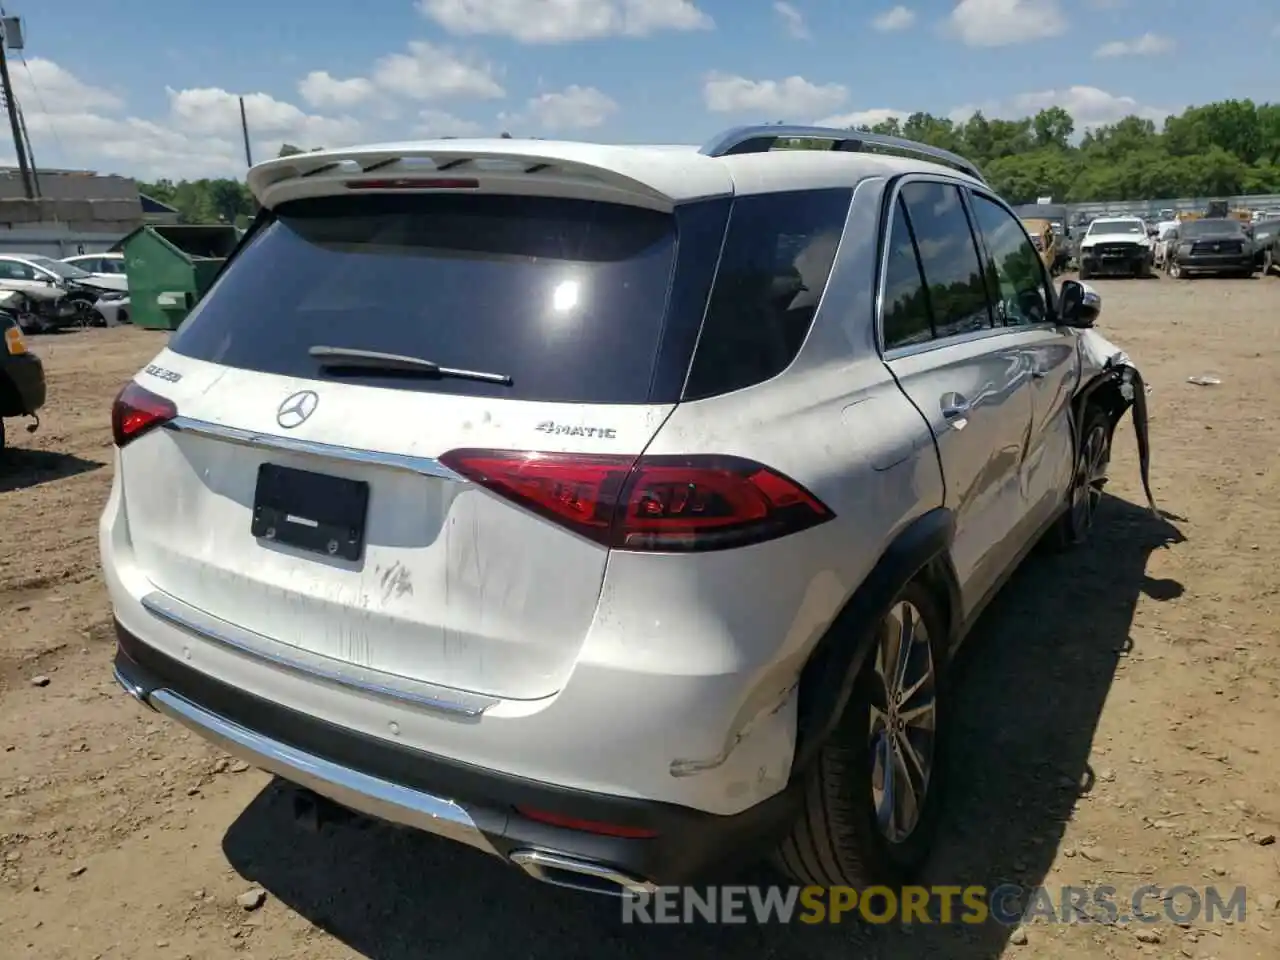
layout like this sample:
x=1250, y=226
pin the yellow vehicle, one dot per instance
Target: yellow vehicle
x=1046, y=242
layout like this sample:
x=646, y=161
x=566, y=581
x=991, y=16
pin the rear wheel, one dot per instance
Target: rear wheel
x=871, y=800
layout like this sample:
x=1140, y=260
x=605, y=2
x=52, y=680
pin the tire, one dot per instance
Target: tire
x=838, y=839
x=1268, y=261
x=1085, y=272
x=1093, y=457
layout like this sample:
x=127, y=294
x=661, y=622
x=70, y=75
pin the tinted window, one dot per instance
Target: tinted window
x=16, y=270
x=1014, y=269
x=906, y=304
x=1206, y=228
x=567, y=297
x=773, y=270
x=948, y=257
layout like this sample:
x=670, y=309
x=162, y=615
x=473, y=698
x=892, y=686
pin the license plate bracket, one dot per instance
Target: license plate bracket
x=315, y=512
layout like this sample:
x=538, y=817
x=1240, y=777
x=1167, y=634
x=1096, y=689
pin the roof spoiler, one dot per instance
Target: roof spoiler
x=548, y=167
x=762, y=138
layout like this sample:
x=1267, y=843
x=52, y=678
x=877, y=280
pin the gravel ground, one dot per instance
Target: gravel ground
x=1118, y=720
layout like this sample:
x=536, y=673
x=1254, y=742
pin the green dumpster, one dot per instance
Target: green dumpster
x=169, y=267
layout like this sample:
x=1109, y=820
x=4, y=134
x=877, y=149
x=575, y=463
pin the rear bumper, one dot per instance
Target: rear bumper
x=455, y=800
x=26, y=373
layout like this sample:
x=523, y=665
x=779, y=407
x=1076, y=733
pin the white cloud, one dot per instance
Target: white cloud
x=440, y=123
x=998, y=23
x=563, y=21
x=573, y=108
x=212, y=111
x=1088, y=106
x=895, y=18
x=42, y=81
x=1147, y=45
x=319, y=88
x=775, y=99
x=792, y=19
x=74, y=123
x=864, y=118
x=430, y=72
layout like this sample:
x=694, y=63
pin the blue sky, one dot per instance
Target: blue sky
x=148, y=88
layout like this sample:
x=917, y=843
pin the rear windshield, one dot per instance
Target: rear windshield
x=565, y=297
x=1208, y=228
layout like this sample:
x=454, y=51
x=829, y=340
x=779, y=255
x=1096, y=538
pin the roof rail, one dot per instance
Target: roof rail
x=763, y=137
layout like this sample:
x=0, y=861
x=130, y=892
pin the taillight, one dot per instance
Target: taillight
x=14, y=342
x=136, y=411
x=659, y=503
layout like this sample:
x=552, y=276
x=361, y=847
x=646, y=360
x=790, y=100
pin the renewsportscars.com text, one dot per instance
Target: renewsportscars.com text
x=1008, y=904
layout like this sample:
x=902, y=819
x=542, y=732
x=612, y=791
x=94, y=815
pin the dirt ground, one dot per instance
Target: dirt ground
x=1118, y=719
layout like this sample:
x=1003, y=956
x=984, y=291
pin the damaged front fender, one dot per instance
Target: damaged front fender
x=1109, y=376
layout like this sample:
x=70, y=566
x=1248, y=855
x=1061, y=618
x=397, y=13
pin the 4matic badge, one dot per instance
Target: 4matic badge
x=575, y=430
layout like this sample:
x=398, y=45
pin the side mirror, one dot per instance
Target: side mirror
x=1078, y=304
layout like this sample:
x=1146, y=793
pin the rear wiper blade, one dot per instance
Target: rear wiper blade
x=348, y=360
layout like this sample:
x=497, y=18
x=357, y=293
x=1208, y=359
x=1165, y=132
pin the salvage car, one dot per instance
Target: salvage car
x=1210, y=246
x=1116, y=246
x=58, y=294
x=22, y=386
x=109, y=265
x=1045, y=241
x=491, y=489
x=1266, y=244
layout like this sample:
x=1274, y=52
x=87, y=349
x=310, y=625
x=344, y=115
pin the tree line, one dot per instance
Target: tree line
x=1226, y=148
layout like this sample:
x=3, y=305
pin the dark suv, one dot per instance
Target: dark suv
x=21, y=375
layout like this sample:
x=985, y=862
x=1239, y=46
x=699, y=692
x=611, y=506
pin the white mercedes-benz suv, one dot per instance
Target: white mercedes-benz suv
x=614, y=510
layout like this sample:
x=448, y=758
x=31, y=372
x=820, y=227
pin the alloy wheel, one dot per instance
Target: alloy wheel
x=903, y=722
x=1090, y=478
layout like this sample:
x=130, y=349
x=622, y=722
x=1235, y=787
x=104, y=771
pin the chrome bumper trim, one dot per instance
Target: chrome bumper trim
x=376, y=683
x=424, y=466
x=350, y=788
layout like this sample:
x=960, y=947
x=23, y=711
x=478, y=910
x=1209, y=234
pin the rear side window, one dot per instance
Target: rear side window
x=565, y=297
x=948, y=257
x=774, y=267
x=906, y=301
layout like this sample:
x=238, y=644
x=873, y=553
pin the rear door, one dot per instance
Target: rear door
x=961, y=371
x=1024, y=302
x=321, y=509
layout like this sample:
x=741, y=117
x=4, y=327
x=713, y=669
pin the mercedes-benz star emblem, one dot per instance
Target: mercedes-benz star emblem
x=297, y=408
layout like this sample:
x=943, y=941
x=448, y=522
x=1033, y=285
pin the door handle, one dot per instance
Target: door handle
x=1039, y=373
x=955, y=406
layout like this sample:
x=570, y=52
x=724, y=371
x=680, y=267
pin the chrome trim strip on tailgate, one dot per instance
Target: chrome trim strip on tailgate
x=458, y=703
x=350, y=788
x=424, y=466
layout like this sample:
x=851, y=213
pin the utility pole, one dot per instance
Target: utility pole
x=244, y=129
x=11, y=107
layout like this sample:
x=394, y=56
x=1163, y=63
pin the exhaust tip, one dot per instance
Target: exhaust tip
x=561, y=870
